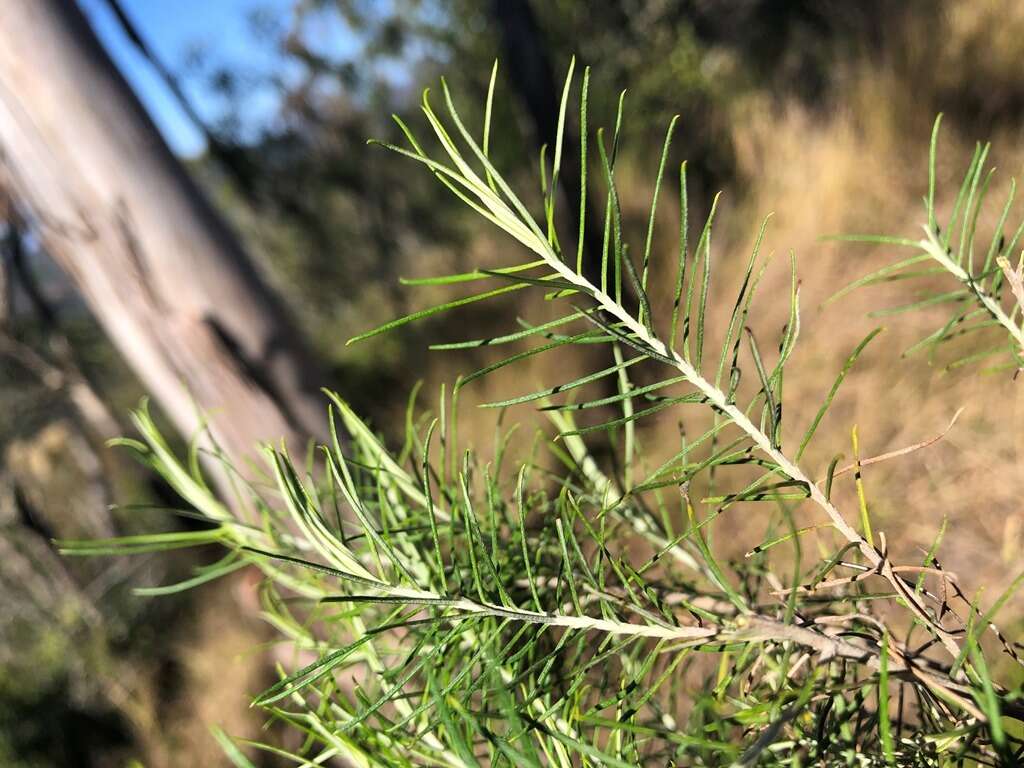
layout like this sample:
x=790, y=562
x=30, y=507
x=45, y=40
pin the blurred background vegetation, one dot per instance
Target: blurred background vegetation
x=816, y=110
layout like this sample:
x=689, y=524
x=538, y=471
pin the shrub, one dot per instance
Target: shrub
x=549, y=607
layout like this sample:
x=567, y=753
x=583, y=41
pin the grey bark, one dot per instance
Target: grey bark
x=163, y=274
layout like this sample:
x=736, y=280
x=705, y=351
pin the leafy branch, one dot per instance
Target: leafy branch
x=982, y=282
x=495, y=200
x=445, y=610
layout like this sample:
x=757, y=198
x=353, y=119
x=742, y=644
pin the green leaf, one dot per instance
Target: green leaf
x=465, y=277
x=586, y=335
x=229, y=564
x=487, y=119
x=766, y=387
x=580, y=241
x=633, y=393
x=498, y=340
x=847, y=366
x=681, y=268
x=703, y=244
x=568, y=386
x=230, y=749
x=884, y=723
x=310, y=674
x=607, y=425
x=930, y=201
x=141, y=544
x=399, y=322
x=865, y=518
x=879, y=275
x=742, y=305
x=654, y=201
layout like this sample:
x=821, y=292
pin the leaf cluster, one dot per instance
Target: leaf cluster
x=984, y=288
x=444, y=610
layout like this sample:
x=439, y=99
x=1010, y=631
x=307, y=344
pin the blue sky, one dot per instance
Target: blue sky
x=172, y=28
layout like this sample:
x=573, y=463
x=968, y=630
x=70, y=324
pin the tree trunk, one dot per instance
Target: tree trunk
x=158, y=267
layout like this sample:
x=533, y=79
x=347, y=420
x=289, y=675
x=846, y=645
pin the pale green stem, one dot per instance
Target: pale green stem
x=933, y=248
